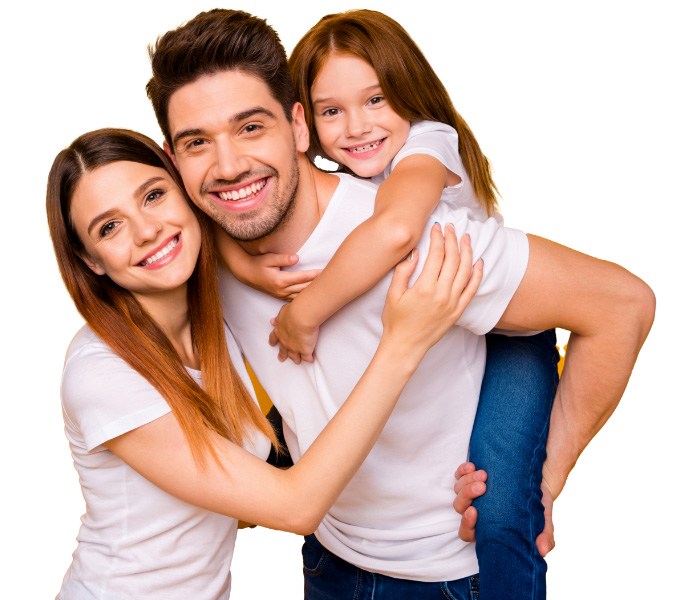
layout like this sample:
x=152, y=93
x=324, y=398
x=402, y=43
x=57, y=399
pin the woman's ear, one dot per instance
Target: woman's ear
x=92, y=264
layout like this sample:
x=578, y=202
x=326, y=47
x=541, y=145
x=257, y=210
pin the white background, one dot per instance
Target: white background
x=589, y=114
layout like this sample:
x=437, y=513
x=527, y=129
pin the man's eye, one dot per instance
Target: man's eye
x=252, y=128
x=195, y=143
x=154, y=195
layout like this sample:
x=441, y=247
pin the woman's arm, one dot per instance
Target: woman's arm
x=403, y=204
x=296, y=499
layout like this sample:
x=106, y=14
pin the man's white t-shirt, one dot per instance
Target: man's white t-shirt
x=135, y=540
x=395, y=516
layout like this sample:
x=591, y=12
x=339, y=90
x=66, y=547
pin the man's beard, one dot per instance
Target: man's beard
x=275, y=215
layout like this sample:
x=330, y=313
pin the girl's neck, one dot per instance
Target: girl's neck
x=170, y=311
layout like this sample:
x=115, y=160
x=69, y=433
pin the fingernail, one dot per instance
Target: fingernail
x=410, y=256
x=451, y=226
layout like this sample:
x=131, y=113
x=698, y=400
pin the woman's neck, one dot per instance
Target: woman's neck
x=170, y=311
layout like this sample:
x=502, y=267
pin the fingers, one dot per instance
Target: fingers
x=278, y=260
x=470, y=484
x=545, y=541
x=467, y=525
x=436, y=253
x=402, y=275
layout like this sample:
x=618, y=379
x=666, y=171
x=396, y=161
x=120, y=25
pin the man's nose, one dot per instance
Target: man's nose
x=231, y=161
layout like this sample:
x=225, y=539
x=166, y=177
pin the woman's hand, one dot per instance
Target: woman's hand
x=419, y=316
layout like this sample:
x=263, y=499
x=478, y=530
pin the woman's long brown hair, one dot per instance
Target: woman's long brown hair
x=223, y=403
x=408, y=82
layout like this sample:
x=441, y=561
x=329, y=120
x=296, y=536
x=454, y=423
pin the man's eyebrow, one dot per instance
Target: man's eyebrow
x=241, y=116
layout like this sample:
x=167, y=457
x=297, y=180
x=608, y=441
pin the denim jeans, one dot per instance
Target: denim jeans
x=508, y=441
x=328, y=577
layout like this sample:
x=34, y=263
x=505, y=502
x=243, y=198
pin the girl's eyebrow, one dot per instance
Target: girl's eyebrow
x=369, y=88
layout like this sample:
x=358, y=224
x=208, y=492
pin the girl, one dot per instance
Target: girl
x=165, y=436
x=375, y=106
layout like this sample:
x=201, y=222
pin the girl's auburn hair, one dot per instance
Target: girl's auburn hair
x=408, y=82
x=222, y=404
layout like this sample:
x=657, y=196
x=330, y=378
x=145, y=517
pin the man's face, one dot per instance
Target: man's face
x=236, y=151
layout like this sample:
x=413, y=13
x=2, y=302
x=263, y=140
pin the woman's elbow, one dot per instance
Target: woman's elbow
x=304, y=521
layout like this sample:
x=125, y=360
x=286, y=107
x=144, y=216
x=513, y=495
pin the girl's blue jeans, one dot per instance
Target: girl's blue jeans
x=508, y=441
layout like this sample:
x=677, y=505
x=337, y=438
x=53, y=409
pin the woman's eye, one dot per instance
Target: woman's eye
x=376, y=99
x=108, y=228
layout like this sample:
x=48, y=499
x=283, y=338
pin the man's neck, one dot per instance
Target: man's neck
x=314, y=192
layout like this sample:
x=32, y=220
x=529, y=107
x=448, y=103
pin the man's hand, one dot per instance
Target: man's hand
x=470, y=484
x=295, y=341
x=545, y=541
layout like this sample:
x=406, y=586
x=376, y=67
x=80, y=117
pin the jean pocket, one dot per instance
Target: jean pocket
x=461, y=589
x=314, y=555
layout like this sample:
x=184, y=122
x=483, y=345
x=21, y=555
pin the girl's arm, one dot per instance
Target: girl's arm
x=403, y=204
x=263, y=272
x=297, y=499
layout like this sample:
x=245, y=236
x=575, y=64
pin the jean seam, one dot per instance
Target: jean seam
x=542, y=440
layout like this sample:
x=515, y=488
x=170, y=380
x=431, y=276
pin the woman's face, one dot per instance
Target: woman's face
x=136, y=227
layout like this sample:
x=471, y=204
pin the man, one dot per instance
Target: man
x=223, y=99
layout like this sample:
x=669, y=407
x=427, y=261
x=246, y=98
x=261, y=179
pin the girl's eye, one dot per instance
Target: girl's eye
x=108, y=228
x=330, y=112
x=376, y=99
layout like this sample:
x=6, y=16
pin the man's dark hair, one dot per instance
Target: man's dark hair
x=214, y=41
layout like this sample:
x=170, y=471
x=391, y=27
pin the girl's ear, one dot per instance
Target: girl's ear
x=92, y=264
x=301, y=129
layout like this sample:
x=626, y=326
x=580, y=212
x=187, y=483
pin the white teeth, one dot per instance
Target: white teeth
x=366, y=147
x=244, y=192
x=161, y=253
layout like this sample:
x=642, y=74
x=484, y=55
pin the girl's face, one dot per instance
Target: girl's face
x=136, y=227
x=355, y=124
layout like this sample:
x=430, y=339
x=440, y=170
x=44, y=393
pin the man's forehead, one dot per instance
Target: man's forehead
x=212, y=95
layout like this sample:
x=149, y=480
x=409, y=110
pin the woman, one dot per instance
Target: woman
x=166, y=466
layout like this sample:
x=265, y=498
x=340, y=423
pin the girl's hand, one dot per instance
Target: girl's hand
x=265, y=274
x=419, y=316
x=296, y=342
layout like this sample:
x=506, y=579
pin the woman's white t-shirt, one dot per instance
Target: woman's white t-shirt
x=135, y=541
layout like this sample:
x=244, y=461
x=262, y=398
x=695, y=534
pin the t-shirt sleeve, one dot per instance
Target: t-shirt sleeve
x=432, y=139
x=103, y=397
x=505, y=253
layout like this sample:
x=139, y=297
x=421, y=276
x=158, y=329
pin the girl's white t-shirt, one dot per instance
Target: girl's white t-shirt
x=135, y=540
x=442, y=143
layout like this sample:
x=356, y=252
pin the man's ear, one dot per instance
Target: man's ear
x=301, y=129
x=92, y=264
x=168, y=150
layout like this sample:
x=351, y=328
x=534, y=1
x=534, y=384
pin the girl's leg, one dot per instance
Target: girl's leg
x=508, y=442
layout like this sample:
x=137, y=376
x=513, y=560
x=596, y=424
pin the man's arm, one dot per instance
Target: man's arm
x=609, y=312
